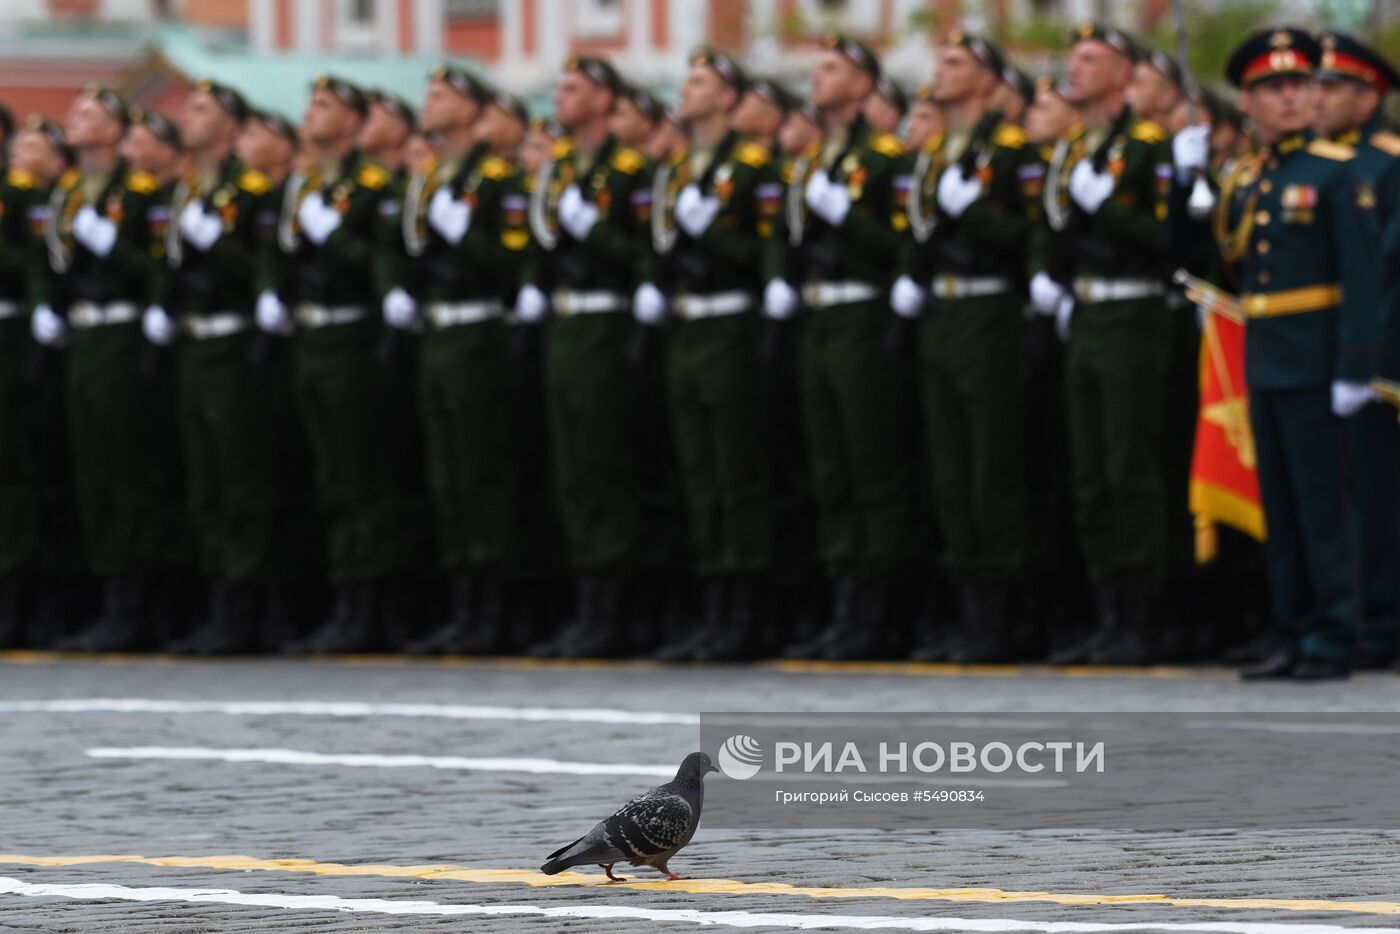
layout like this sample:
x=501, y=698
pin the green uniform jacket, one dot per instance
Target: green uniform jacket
x=23, y=213
x=613, y=256
x=341, y=270
x=1378, y=162
x=126, y=273
x=485, y=263
x=867, y=244
x=732, y=253
x=219, y=280
x=993, y=235
x=1127, y=236
x=1298, y=216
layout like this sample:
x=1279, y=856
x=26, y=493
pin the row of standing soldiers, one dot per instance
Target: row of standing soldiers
x=761, y=378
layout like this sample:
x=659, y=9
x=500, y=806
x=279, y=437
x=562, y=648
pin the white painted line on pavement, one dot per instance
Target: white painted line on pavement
x=365, y=761
x=346, y=709
x=737, y=919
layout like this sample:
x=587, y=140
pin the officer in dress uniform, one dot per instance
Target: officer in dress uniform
x=1352, y=82
x=40, y=556
x=240, y=504
x=103, y=257
x=589, y=217
x=1100, y=268
x=974, y=204
x=714, y=209
x=327, y=234
x=1301, y=223
x=450, y=263
x=840, y=209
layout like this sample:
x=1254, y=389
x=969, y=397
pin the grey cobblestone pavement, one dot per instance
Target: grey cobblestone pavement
x=58, y=803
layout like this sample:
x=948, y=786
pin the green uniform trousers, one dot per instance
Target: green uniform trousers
x=1311, y=583
x=244, y=489
x=371, y=524
x=465, y=397
x=597, y=474
x=859, y=474
x=38, y=522
x=126, y=457
x=714, y=392
x=1374, y=461
x=1115, y=377
x=1182, y=401
x=970, y=375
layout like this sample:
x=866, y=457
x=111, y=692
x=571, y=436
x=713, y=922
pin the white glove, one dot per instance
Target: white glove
x=695, y=212
x=400, y=310
x=1350, y=397
x=648, y=304
x=1063, y=312
x=1046, y=293
x=829, y=201
x=48, y=328
x=93, y=231
x=158, y=326
x=1191, y=151
x=576, y=215
x=200, y=228
x=955, y=193
x=531, y=305
x=451, y=217
x=780, y=300
x=1090, y=189
x=273, y=316
x=318, y=219
x=906, y=298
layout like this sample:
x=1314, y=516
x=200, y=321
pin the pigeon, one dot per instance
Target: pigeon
x=646, y=831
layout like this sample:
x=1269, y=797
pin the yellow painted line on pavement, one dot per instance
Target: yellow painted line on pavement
x=783, y=666
x=533, y=879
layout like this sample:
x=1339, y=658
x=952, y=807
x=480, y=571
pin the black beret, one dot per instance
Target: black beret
x=230, y=100
x=347, y=93
x=1111, y=35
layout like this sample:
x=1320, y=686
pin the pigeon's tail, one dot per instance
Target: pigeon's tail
x=559, y=859
x=554, y=867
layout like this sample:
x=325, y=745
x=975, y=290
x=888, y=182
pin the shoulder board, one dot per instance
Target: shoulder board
x=1010, y=136
x=69, y=180
x=254, y=182
x=753, y=155
x=495, y=168
x=1047, y=153
x=628, y=160
x=933, y=143
x=677, y=156
x=373, y=176
x=563, y=148
x=21, y=178
x=1329, y=150
x=143, y=183
x=887, y=144
x=1147, y=132
x=1387, y=142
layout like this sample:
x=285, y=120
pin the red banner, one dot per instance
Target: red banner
x=1224, y=476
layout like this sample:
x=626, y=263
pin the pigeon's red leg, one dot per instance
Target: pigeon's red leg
x=671, y=876
x=607, y=867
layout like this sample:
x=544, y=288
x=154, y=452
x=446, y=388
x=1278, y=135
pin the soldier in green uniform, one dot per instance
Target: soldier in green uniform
x=761, y=112
x=319, y=284
x=125, y=454
x=589, y=216
x=1352, y=82
x=40, y=553
x=1301, y=223
x=714, y=208
x=1101, y=267
x=842, y=224
x=973, y=207
x=464, y=232
x=240, y=501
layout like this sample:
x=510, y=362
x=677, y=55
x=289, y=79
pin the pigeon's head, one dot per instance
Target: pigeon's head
x=694, y=766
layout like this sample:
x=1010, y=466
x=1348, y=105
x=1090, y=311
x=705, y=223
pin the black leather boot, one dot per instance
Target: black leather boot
x=1132, y=641
x=119, y=627
x=605, y=635
x=232, y=625
x=58, y=609
x=461, y=618
x=869, y=633
x=687, y=645
x=842, y=617
x=14, y=610
x=1106, y=624
x=738, y=637
x=280, y=627
x=486, y=634
x=586, y=592
x=988, y=636
x=353, y=622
